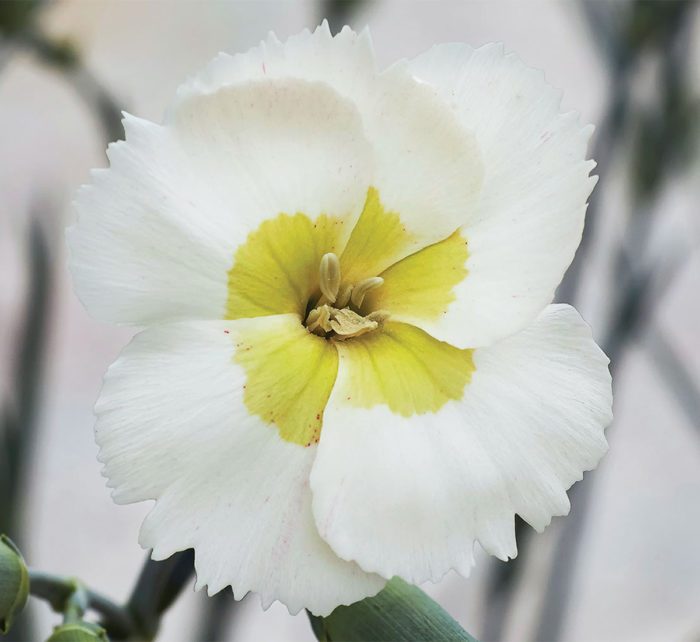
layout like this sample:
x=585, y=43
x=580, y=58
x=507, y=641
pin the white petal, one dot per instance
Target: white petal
x=408, y=496
x=278, y=145
x=158, y=231
x=428, y=167
x=172, y=426
x=345, y=61
x=527, y=225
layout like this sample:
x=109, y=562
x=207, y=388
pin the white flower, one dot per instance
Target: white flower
x=350, y=369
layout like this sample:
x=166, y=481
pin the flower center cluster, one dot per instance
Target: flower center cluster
x=338, y=311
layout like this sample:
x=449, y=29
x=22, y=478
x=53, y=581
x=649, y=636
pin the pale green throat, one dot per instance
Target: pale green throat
x=348, y=290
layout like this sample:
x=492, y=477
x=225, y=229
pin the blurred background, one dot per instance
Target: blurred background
x=625, y=565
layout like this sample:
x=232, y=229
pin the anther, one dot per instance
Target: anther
x=363, y=287
x=330, y=276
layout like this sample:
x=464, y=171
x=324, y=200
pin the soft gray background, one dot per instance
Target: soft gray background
x=638, y=573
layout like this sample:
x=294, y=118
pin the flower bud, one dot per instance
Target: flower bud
x=14, y=583
x=78, y=631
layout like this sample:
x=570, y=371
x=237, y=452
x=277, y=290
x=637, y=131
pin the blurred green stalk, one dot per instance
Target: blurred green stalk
x=20, y=411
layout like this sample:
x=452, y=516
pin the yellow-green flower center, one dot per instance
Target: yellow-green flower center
x=337, y=292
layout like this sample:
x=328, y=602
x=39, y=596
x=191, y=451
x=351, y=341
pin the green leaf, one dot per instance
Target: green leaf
x=400, y=613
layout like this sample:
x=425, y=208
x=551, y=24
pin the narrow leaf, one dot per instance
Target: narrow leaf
x=400, y=613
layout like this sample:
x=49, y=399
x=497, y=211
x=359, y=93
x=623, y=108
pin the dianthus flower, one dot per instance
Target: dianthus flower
x=350, y=368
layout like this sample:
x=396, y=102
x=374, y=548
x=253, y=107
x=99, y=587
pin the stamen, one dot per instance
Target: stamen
x=363, y=287
x=343, y=296
x=313, y=316
x=318, y=320
x=330, y=276
x=331, y=318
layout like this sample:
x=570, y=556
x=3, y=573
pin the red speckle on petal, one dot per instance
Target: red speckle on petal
x=318, y=416
x=263, y=67
x=226, y=332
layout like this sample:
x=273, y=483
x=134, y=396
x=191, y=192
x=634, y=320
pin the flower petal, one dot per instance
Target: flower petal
x=408, y=496
x=427, y=166
x=277, y=269
x=158, y=231
x=527, y=225
x=419, y=288
x=173, y=426
x=404, y=368
x=289, y=375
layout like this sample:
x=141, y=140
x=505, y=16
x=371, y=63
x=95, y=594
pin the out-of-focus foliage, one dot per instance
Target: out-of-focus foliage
x=16, y=15
x=339, y=12
x=652, y=23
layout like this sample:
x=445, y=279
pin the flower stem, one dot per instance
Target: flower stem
x=71, y=597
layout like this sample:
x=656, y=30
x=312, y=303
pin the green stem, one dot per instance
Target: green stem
x=72, y=598
x=76, y=604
